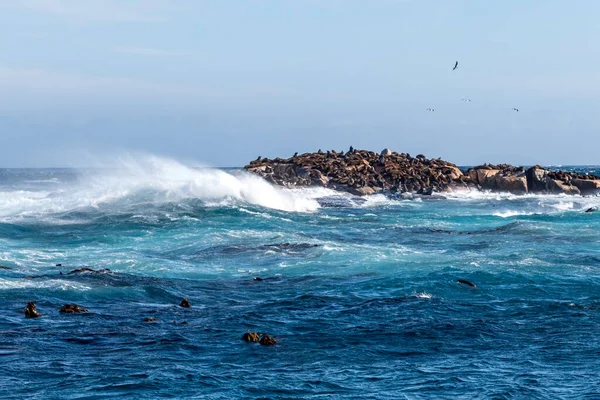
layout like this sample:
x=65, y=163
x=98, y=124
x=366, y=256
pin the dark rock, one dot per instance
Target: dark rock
x=257, y=278
x=185, y=303
x=363, y=173
x=31, y=310
x=72, y=308
x=537, y=179
x=250, y=337
x=59, y=265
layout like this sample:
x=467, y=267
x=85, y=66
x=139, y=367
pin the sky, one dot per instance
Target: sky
x=221, y=82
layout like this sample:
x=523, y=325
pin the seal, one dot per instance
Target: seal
x=250, y=337
x=72, y=308
x=267, y=340
x=185, y=303
x=464, y=282
x=31, y=310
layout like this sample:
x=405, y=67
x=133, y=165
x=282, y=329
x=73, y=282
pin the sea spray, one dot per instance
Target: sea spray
x=129, y=180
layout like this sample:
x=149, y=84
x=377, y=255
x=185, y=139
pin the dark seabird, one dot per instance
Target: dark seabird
x=516, y=109
x=468, y=100
x=455, y=66
x=431, y=109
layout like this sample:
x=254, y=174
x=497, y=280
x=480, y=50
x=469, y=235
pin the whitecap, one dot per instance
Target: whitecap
x=510, y=213
x=423, y=295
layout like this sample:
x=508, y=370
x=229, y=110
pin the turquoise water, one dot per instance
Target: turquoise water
x=362, y=296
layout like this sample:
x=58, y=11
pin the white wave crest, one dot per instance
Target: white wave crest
x=510, y=213
x=423, y=295
x=146, y=178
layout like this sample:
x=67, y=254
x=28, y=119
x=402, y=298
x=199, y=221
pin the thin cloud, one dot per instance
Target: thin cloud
x=21, y=86
x=146, y=51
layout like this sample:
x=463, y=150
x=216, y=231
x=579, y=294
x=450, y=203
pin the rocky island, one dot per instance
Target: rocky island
x=363, y=172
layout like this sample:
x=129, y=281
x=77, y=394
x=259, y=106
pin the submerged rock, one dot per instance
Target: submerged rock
x=31, y=310
x=185, y=303
x=72, y=308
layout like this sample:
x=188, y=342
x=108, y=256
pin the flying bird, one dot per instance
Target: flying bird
x=467, y=100
x=455, y=66
x=430, y=109
x=516, y=109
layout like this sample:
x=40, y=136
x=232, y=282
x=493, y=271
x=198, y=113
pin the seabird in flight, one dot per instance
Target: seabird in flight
x=430, y=109
x=455, y=66
x=516, y=109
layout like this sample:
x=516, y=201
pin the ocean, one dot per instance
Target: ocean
x=360, y=294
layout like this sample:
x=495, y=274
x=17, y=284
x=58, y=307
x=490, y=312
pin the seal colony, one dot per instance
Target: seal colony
x=363, y=172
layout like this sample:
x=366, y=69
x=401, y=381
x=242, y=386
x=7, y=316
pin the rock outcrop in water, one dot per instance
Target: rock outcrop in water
x=364, y=172
x=535, y=179
x=361, y=172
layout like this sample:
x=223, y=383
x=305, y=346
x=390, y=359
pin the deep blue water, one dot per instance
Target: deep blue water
x=373, y=310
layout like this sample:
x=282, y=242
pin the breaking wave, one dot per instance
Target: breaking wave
x=132, y=180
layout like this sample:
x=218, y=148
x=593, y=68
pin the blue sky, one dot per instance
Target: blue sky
x=223, y=81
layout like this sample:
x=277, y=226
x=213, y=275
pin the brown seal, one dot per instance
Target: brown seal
x=185, y=303
x=72, y=308
x=31, y=310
